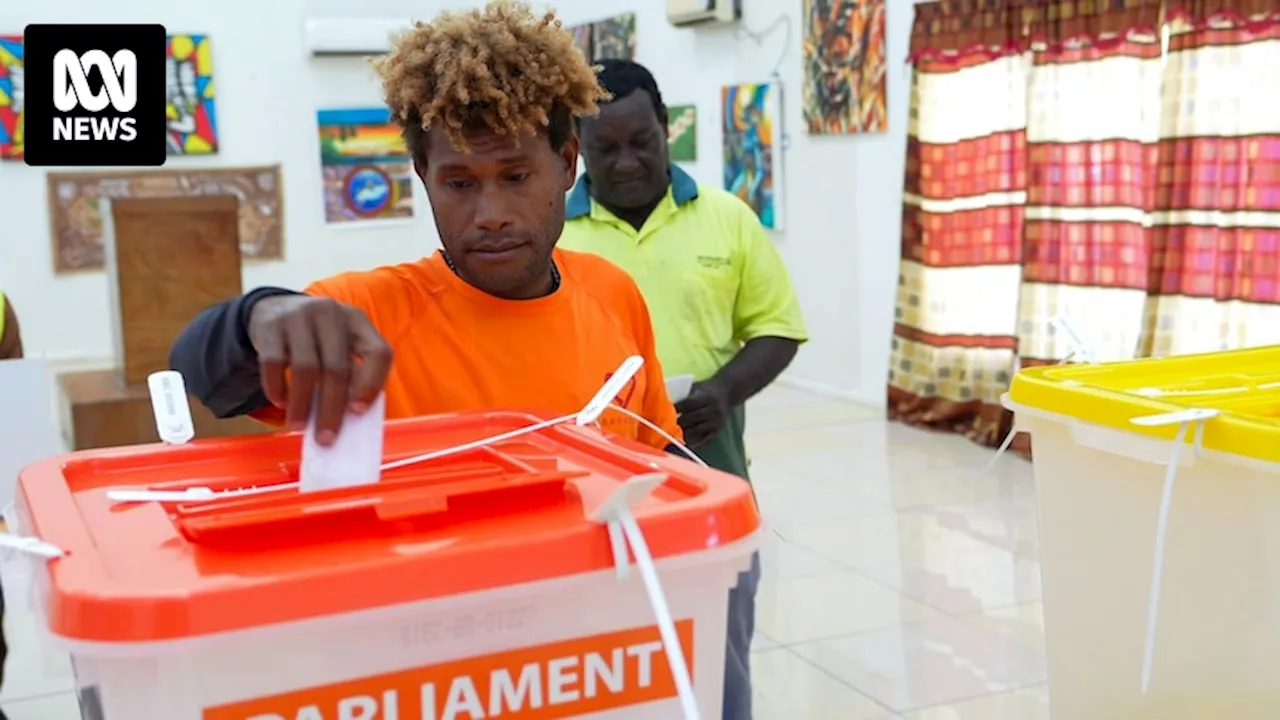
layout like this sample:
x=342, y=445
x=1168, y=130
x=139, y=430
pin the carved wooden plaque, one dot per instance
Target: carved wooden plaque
x=75, y=208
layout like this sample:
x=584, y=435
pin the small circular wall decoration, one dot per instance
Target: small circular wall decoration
x=368, y=191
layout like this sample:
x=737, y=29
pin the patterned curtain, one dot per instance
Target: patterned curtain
x=954, y=341
x=1216, y=225
x=1086, y=252
x=1110, y=163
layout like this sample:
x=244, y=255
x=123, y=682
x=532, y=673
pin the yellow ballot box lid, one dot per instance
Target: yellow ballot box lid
x=1242, y=385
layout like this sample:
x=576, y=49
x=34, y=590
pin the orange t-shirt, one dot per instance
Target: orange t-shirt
x=458, y=348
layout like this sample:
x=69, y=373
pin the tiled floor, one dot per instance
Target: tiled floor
x=903, y=579
x=901, y=583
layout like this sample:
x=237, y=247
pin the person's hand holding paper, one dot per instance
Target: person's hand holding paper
x=353, y=458
x=703, y=413
x=320, y=360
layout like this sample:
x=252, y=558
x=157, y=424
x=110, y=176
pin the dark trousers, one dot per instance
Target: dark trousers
x=728, y=452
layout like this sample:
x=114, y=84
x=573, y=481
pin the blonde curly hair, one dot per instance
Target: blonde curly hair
x=502, y=68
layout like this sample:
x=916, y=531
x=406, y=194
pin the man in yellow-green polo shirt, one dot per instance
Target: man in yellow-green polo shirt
x=722, y=304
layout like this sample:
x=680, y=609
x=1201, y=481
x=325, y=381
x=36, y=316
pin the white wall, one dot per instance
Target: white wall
x=843, y=193
x=844, y=213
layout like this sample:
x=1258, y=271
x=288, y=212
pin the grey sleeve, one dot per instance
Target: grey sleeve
x=217, y=360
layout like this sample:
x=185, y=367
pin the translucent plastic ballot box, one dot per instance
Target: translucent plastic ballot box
x=1159, y=500
x=476, y=585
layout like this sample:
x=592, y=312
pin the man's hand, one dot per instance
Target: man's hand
x=332, y=354
x=702, y=415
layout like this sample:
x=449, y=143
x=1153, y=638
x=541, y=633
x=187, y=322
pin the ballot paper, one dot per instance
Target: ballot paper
x=678, y=387
x=354, y=459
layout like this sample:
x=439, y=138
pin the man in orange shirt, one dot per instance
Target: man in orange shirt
x=500, y=318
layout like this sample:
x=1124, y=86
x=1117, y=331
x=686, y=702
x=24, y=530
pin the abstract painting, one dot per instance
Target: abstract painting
x=75, y=208
x=614, y=38
x=366, y=170
x=11, y=97
x=611, y=38
x=844, y=67
x=682, y=132
x=582, y=40
x=752, y=148
x=193, y=128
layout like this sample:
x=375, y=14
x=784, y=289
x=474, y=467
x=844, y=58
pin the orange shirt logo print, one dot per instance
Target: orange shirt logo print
x=616, y=421
x=628, y=391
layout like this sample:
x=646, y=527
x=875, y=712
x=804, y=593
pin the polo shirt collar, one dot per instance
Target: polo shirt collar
x=683, y=190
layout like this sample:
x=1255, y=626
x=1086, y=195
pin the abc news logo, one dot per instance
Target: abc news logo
x=71, y=90
x=95, y=95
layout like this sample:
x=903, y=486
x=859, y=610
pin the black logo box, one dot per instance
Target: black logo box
x=149, y=44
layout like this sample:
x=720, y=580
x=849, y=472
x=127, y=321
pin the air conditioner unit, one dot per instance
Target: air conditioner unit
x=352, y=36
x=685, y=13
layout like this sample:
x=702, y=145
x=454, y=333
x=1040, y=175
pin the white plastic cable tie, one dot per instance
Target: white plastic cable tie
x=662, y=612
x=1184, y=419
x=615, y=511
x=141, y=495
x=187, y=495
x=1014, y=430
x=605, y=395
x=477, y=444
x=204, y=494
x=27, y=545
x=1178, y=417
x=1004, y=447
x=171, y=408
x=1076, y=345
x=629, y=494
x=586, y=416
x=684, y=449
x=618, y=546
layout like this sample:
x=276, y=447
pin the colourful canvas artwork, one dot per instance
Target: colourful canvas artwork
x=844, y=67
x=682, y=132
x=582, y=40
x=75, y=208
x=611, y=38
x=193, y=126
x=11, y=97
x=366, y=170
x=614, y=38
x=752, y=148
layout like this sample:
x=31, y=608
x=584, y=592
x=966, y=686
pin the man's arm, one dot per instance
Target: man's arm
x=754, y=368
x=766, y=319
x=11, y=336
x=216, y=359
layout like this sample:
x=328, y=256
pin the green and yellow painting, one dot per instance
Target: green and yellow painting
x=682, y=132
